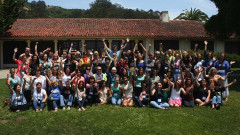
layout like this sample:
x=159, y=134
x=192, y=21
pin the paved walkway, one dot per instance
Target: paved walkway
x=3, y=73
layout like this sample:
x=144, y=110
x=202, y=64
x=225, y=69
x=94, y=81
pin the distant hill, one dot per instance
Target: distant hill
x=98, y=9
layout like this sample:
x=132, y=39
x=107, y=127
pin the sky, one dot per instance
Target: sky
x=174, y=7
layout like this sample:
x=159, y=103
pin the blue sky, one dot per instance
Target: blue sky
x=174, y=7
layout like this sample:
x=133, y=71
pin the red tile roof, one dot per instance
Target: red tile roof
x=101, y=27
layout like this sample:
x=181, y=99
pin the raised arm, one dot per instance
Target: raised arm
x=14, y=53
x=150, y=46
x=70, y=49
x=144, y=49
x=170, y=82
x=105, y=45
x=35, y=49
x=135, y=47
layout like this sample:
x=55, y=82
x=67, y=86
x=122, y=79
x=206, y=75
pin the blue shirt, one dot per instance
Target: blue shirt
x=222, y=71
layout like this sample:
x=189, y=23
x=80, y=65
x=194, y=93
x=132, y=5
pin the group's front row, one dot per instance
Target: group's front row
x=159, y=96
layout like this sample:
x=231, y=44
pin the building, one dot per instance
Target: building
x=59, y=33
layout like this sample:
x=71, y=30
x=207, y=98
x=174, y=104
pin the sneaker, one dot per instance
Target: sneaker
x=63, y=108
x=40, y=110
x=56, y=109
x=69, y=108
x=37, y=110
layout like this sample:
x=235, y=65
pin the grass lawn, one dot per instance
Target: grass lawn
x=110, y=119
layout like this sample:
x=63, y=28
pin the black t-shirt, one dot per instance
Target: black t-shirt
x=66, y=92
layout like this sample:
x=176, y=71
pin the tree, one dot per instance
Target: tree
x=37, y=10
x=193, y=14
x=226, y=23
x=9, y=11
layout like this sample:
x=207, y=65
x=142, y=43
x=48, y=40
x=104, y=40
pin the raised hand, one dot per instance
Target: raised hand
x=205, y=42
x=8, y=75
x=15, y=50
x=103, y=39
x=36, y=43
x=196, y=45
x=72, y=44
x=150, y=45
x=235, y=80
x=128, y=40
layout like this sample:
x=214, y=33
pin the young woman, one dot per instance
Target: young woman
x=39, y=97
x=28, y=90
x=96, y=61
x=92, y=91
x=56, y=61
x=84, y=63
x=80, y=95
x=223, y=67
x=66, y=75
x=77, y=78
x=54, y=96
x=127, y=90
x=116, y=93
x=213, y=77
x=138, y=82
x=11, y=80
x=66, y=96
x=69, y=62
x=87, y=74
x=175, y=99
x=45, y=63
x=18, y=102
x=158, y=98
x=204, y=93
x=188, y=99
x=176, y=67
x=103, y=92
x=39, y=78
x=143, y=97
x=34, y=64
x=154, y=78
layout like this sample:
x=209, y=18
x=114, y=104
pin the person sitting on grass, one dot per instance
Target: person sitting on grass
x=66, y=95
x=39, y=97
x=143, y=97
x=216, y=91
x=116, y=93
x=103, y=92
x=54, y=97
x=92, y=91
x=203, y=97
x=175, y=98
x=127, y=90
x=80, y=95
x=158, y=98
x=19, y=102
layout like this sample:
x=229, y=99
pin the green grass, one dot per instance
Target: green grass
x=110, y=119
x=235, y=69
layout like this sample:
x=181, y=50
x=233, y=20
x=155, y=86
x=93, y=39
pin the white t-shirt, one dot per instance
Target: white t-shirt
x=65, y=78
x=27, y=85
x=39, y=96
x=128, y=90
x=42, y=80
x=175, y=94
x=103, y=94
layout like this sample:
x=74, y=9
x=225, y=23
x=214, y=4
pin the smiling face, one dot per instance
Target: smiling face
x=18, y=88
x=159, y=85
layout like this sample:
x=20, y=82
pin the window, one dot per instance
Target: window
x=167, y=44
x=8, y=47
x=201, y=45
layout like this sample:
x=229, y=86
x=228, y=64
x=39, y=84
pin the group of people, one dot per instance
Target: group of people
x=120, y=77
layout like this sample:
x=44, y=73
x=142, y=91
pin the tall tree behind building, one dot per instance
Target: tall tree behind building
x=9, y=12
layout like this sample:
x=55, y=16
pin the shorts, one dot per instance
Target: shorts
x=175, y=102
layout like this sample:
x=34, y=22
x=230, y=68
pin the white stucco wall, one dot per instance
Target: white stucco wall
x=219, y=46
x=184, y=44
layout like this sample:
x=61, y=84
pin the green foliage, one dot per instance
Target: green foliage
x=9, y=11
x=226, y=22
x=193, y=14
x=98, y=9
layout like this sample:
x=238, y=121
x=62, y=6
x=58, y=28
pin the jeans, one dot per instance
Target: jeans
x=35, y=104
x=54, y=101
x=80, y=103
x=188, y=103
x=159, y=105
x=216, y=100
x=64, y=101
x=140, y=103
x=116, y=101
